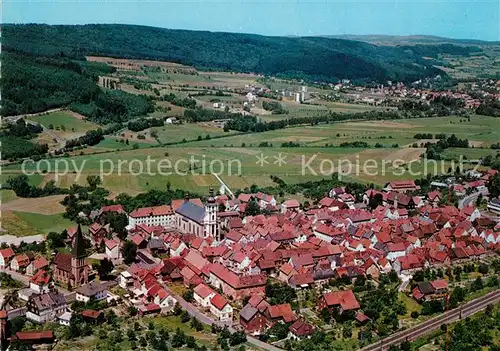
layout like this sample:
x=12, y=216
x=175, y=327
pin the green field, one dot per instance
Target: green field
x=189, y=131
x=111, y=143
x=44, y=223
x=20, y=224
x=241, y=153
x=65, y=119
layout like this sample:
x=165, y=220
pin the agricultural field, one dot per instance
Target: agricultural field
x=242, y=153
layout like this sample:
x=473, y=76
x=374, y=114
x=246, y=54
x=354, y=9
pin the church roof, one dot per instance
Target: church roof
x=192, y=211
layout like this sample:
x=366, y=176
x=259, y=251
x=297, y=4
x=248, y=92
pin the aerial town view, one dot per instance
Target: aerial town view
x=248, y=175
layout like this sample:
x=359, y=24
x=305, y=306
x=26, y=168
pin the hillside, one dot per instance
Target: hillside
x=312, y=58
x=32, y=84
x=393, y=40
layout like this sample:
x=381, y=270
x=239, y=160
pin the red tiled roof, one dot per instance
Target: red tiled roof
x=40, y=262
x=163, y=210
x=292, y=203
x=113, y=208
x=301, y=328
x=41, y=278
x=401, y=184
x=218, y=301
x=91, y=314
x=345, y=299
x=110, y=244
x=137, y=239
x=33, y=335
x=63, y=261
x=7, y=253
x=282, y=311
x=417, y=294
x=203, y=291
x=439, y=284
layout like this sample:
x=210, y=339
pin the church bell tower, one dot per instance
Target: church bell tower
x=79, y=267
x=211, y=223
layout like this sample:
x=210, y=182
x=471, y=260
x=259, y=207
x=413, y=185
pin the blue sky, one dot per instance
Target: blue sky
x=450, y=18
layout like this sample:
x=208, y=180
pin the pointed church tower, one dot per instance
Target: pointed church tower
x=211, y=225
x=79, y=268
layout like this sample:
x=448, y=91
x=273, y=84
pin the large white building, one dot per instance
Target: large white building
x=152, y=216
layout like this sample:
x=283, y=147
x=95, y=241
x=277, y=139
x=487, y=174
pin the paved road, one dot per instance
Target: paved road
x=16, y=241
x=466, y=201
x=193, y=311
x=434, y=323
x=224, y=185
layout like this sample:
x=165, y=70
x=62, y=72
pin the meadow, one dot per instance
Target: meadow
x=187, y=131
x=20, y=224
x=67, y=120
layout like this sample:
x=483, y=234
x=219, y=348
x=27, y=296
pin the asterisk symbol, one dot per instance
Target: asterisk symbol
x=262, y=160
x=280, y=159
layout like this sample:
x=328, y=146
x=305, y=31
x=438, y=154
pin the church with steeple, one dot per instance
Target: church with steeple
x=72, y=269
x=199, y=220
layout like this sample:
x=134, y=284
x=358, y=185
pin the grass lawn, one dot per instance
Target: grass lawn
x=411, y=304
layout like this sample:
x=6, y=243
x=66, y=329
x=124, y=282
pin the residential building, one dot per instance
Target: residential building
x=20, y=262
x=341, y=300
x=45, y=307
x=41, y=282
x=35, y=265
x=433, y=290
x=93, y=290
x=203, y=294
x=6, y=256
x=300, y=329
x=112, y=249
x=253, y=320
x=221, y=309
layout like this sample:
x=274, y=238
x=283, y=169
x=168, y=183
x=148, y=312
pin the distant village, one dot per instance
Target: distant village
x=227, y=259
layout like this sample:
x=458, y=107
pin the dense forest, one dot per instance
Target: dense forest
x=312, y=58
x=34, y=84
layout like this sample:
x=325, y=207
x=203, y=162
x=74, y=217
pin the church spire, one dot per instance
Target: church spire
x=79, y=246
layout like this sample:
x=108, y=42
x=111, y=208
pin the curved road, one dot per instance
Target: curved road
x=434, y=323
x=193, y=311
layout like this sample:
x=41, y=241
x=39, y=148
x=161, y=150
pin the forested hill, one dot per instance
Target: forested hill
x=313, y=58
